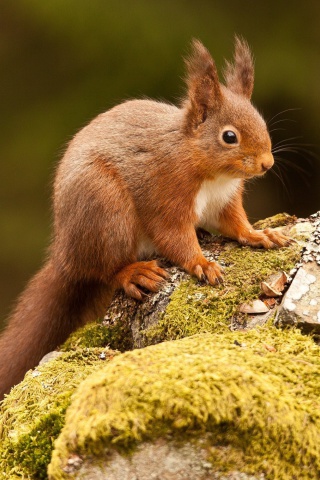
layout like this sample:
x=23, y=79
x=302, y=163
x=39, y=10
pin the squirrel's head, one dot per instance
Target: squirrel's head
x=230, y=134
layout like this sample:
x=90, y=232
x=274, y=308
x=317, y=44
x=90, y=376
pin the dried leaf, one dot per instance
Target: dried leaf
x=269, y=291
x=274, y=285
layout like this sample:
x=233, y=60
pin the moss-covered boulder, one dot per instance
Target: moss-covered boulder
x=250, y=398
x=33, y=415
x=224, y=399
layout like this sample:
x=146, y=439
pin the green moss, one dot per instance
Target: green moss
x=260, y=404
x=197, y=309
x=34, y=412
x=97, y=334
x=279, y=220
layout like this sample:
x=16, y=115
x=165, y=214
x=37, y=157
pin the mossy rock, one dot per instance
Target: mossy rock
x=34, y=412
x=195, y=308
x=255, y=392
x=184, y=306
x=279, y=220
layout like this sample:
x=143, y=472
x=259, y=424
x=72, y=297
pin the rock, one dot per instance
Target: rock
x=144, y=316
x=259, y=320
x=185, y=306
x=50, y=356
x=159, y=460
x=33, y=414
x=244, y=402
x=227, y=403
x=301, y=303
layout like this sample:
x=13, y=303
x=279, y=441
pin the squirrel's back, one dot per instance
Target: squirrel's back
x=134, y=126
x=131, y=136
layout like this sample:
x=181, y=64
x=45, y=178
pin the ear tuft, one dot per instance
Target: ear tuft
x=239, y=76
x=199, y=62
x=202, y=81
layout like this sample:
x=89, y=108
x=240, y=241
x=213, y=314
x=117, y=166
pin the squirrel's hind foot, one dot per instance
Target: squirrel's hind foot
x=137, y=277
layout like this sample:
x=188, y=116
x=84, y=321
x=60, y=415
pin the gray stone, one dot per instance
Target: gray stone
x=160, y=460
x=301, y=303
x=50, y=356
x=142, y=316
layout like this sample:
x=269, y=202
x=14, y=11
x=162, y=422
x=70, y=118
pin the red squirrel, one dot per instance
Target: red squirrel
x=140, y=178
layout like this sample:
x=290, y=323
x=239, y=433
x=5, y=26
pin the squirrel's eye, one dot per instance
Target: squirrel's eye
x=229, y=137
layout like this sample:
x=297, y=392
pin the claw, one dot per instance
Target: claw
x=204, y=279
x=291, y=241
x=135, y=292
x=207, y=272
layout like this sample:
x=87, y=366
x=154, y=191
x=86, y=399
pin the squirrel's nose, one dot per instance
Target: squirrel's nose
x=266, y=161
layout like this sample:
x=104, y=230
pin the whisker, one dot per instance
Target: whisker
x=283, y=166
x=299, y=147
x=287, y=140
x=304, y=174
x=280, y=113
x=296, y=144
x=284, y=120
x=280, y=177
x=276, y=130
x=292, y=156
x=292, y=164
x=287, y=149
x=305, y=152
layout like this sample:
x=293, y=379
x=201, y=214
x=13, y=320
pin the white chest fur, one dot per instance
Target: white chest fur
x=212, y=197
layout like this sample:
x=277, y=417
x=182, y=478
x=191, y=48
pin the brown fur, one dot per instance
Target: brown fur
x=239, y=76
x=138, y=178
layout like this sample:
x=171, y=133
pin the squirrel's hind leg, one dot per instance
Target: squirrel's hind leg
x=100, y=237
x=102, y=240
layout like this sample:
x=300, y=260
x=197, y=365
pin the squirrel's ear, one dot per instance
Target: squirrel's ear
x=202, y=82
x=239, y=76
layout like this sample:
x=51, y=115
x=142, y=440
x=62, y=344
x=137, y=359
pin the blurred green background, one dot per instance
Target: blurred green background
x=65, y=61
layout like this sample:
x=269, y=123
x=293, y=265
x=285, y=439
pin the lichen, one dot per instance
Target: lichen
x=256, y=392
x=33, y=414
x=197, y=309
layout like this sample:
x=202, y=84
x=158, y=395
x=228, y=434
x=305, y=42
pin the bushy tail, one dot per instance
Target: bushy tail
x=49, y=309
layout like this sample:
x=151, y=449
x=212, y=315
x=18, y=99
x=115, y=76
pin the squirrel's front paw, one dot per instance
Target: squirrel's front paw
x=278, y=238
x=209, y=272
x=267, y=238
